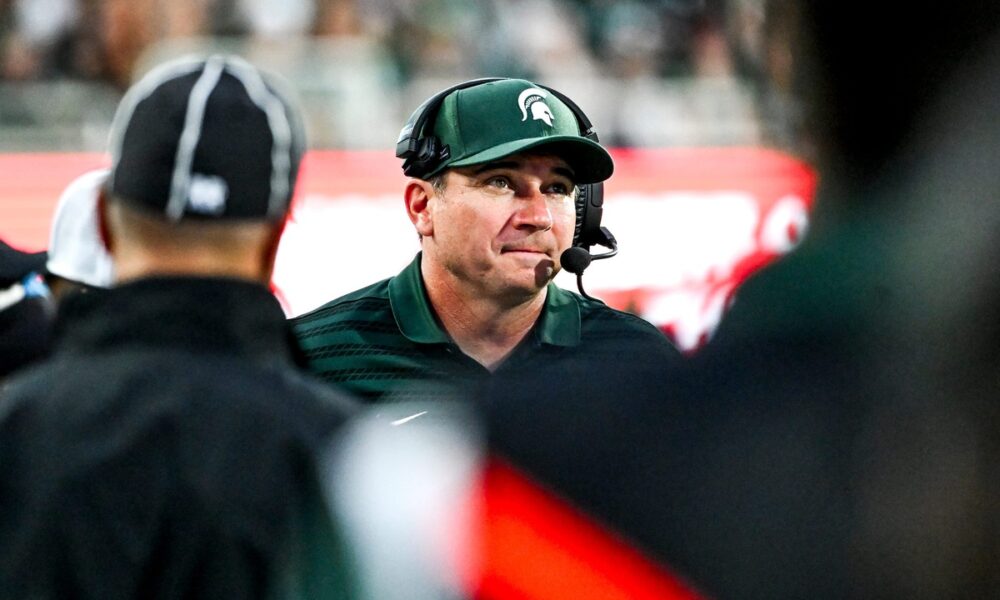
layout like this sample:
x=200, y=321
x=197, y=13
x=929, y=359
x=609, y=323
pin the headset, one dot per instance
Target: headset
x=423, y=153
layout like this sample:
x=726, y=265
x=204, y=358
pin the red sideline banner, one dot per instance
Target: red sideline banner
x=535, y=545
x=692, y=224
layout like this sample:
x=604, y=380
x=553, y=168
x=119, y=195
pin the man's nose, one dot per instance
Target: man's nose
x=533, y=211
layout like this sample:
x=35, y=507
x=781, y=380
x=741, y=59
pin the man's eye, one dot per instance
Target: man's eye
x=498, y=181
x=560, y=188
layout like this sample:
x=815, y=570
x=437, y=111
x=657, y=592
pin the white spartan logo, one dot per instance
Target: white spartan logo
x=533, y=99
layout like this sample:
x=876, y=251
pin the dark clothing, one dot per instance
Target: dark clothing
x=736, y=471
x=16, y=264
x=167, y=450
x=25, y=319
x=384, y=342
x=25, y=329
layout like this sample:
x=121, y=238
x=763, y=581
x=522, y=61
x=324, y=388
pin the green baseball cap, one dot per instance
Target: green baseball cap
x=487, y=122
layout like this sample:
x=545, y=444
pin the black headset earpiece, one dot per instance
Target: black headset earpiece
x=422, y=152
x=589, y=211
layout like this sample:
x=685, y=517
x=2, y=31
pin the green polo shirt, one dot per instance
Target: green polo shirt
x=384, y=342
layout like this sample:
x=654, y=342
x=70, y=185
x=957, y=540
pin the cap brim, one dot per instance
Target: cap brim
x=589, y=160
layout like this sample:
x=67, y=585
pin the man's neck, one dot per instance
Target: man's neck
x=483, y=328
x=139, y=265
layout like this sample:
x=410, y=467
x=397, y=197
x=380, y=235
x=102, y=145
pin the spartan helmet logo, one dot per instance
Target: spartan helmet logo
x=533, y=99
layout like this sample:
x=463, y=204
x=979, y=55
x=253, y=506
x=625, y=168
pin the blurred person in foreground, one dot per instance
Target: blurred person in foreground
x=838, y=437
x=77, y=260
x=168, y=448
x=495, y=167
x=25, y=309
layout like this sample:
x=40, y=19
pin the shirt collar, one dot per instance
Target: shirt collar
x=560, y=321
x=200, y=314
x=559, y=324
x=411, y=308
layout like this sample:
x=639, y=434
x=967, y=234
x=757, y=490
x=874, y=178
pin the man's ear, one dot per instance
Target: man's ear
x=419, y=196
x=107, y=239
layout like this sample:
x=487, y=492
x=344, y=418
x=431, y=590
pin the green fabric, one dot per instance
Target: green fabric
x=383, y=343
x=487, y=122
x=411, y=309
x=319, y=564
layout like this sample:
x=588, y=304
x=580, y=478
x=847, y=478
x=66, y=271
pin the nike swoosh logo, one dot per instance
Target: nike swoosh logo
x=407, y=419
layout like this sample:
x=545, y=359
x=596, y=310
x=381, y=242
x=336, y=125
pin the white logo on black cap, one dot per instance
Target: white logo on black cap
x=207, y=194
x=533, y=100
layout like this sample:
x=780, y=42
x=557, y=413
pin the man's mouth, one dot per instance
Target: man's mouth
x=526, y=255
x=518, y=250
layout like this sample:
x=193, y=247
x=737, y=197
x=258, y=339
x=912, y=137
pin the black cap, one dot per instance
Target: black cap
x=207, y=138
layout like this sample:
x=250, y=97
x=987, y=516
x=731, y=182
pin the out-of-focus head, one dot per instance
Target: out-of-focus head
x=77, y=258
x=205, y=157
x=207, y=139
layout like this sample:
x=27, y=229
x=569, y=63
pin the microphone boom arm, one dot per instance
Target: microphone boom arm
x=606, y=239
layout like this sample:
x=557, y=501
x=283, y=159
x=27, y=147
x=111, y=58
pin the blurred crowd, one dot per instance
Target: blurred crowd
x=102, y=39
x=714, y=54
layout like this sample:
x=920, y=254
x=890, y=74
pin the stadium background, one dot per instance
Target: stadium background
x=698, y=98
x=886, y=112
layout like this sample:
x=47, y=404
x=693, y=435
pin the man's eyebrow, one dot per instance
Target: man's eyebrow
x=492, y=166
x=565, y=172
x=510, y=164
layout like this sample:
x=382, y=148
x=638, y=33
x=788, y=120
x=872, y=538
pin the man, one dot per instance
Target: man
x=494, y=204
x=168, y=448
x=77, y=259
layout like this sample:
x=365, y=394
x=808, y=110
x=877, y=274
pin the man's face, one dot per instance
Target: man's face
x=499, y=228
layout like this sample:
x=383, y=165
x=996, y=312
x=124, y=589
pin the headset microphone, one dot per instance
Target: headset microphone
x=576, y=259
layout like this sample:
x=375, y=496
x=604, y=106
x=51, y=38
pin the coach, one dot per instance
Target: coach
x=500, y=173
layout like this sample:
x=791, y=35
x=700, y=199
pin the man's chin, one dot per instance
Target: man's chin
x=526, y=285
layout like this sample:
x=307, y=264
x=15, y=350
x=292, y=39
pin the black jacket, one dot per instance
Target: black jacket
x=24, y=334
x=167, y=450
